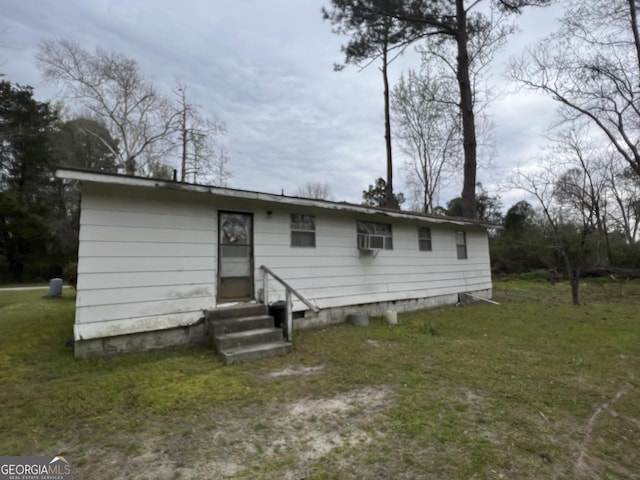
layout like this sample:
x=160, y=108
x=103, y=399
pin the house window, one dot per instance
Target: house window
x=424, y=239
x=374, y=236
x=303, y=230
x=461, y=245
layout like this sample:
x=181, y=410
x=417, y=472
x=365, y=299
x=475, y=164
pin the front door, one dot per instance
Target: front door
x=235, y=256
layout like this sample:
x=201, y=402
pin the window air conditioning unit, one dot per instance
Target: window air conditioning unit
x=363, y=242
x=369, y=243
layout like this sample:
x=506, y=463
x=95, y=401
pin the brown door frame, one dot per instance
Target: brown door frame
x=251, y=294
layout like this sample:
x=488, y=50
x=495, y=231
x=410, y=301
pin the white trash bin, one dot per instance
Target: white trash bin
x=392, y=317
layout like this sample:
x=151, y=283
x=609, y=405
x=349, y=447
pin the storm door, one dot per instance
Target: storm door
x=235, y=256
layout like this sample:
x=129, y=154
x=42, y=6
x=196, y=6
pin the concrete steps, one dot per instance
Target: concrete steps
x=250, y=353
x=241, y=324
x=245, y=333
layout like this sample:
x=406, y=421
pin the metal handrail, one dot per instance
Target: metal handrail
x=288, y=291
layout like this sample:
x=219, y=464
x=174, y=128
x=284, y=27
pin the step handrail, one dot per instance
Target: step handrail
x=288, y=291
x=286, y=285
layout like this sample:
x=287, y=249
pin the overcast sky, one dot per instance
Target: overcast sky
x=266, y=69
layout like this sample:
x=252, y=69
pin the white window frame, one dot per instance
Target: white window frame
x=424, y=235
x=374, y=235
x=303, y=226
x=461, y=245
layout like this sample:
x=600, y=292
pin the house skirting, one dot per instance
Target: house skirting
x=328, y=316
x=184, y=336
x=197, y=334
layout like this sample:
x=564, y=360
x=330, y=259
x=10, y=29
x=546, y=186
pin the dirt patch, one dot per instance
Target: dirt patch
x=468, y=397
x=581, y=466
x=265, y=441
x=295, y=371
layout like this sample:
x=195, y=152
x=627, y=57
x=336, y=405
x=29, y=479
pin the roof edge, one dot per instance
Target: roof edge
x=91, y=176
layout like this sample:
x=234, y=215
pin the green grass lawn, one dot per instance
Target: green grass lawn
x=533, y=388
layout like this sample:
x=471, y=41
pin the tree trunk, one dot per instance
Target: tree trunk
x=607, y=241
x=427, y=201
x=390, y=199
x=575, y=288
x=130, y=165
x=634, y=28
x=574, y=277
x=183, y=173
x=468, y=195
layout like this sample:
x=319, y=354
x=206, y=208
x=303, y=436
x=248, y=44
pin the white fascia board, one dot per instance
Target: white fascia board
x=124, y=180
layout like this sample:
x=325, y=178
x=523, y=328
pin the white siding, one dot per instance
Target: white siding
x=148, y=258
x=146, y=261
x=334, y=273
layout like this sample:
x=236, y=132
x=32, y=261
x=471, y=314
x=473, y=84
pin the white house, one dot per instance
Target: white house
x=154, y=254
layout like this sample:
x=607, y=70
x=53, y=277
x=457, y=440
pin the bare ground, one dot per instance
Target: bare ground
x=248, y=442
x=289, y=441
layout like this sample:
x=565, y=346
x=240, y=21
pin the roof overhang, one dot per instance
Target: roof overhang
x=141, y=182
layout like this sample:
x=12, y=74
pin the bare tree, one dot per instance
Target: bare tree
x=591, y=67
x=201, y=159
x=623, y=187
x=219, y=172
x=565, y=238
x=317, y=190
x=448, y=22
x=583, y=186
x=453, y=25
x=571, y=189
x=110, y=87
x=427, y=111
x=427, y=123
